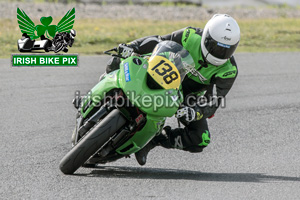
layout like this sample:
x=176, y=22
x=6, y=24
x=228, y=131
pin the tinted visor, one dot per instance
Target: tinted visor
x=218, y=49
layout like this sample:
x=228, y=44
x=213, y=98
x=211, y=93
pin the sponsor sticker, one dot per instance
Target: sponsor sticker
x=199, y=116
x=223, y=45
x=137, y=61
x=126, y=72
x=229, y=73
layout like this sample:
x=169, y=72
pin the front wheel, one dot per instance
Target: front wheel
x=92, y=142
x=58, y=47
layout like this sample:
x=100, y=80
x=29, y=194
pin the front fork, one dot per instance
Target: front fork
x=136, y=118
x=74, y=134
x=81, y=127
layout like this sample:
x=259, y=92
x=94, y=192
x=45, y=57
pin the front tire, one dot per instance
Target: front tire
x=92, y=142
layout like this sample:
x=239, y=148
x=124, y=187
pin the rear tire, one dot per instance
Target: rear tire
x=46, y=48
x=92, y=142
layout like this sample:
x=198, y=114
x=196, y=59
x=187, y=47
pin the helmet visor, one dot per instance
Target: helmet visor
x=218, y=49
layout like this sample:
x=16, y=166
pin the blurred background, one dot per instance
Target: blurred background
x=266, y=25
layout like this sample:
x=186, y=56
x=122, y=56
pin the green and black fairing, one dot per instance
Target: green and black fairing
x=133, y=80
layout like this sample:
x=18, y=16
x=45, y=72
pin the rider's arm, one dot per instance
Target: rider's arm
x=71, y=42
x=146, y=44
x=223, y=83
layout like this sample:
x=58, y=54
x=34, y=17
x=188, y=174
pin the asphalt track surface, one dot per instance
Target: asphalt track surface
x=254, y=153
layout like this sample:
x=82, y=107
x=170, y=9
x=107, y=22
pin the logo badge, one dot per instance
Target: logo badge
x=223, y=45
x=226, y=38
x=137, y=61
x=45, y=37
x=126, y=72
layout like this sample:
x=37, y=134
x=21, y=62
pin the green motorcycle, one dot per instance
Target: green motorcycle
x=128, y=107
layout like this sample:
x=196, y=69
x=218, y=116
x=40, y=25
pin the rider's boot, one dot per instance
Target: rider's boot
x=162, y=139
x=141, y=156
x=66, y=49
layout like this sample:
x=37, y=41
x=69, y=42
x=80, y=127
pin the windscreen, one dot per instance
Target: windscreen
x=169, y=63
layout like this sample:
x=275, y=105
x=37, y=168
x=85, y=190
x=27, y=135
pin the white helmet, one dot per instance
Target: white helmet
x=220, y=37
x=72, y=33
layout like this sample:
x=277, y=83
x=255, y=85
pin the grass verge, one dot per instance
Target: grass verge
x=97, y=35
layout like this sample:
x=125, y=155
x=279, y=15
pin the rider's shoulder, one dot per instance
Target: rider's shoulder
x=194, y=30
x=191, y=34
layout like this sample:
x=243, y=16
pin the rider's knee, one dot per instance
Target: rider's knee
x=205, y=139
x=201, y=143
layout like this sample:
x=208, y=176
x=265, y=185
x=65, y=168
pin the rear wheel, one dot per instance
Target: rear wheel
x=92, y=142
x=47, y=46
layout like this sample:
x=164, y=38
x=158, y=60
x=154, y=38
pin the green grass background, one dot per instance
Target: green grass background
x=96, y=35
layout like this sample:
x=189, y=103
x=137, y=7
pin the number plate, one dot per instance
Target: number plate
x=164, y=72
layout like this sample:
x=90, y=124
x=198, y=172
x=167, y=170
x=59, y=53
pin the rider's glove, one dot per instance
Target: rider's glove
x=189, y=113
x=124, y=50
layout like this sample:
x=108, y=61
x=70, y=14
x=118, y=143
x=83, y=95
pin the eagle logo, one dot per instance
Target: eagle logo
x=45, y=28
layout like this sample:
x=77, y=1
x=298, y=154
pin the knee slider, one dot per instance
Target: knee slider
x=205, y=139
x=195, y=149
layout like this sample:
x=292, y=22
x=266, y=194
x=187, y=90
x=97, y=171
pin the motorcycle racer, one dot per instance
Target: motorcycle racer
x=212, y=49
x=62, y=40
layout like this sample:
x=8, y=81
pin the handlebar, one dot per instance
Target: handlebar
x=108, y=52
x=115, y=49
